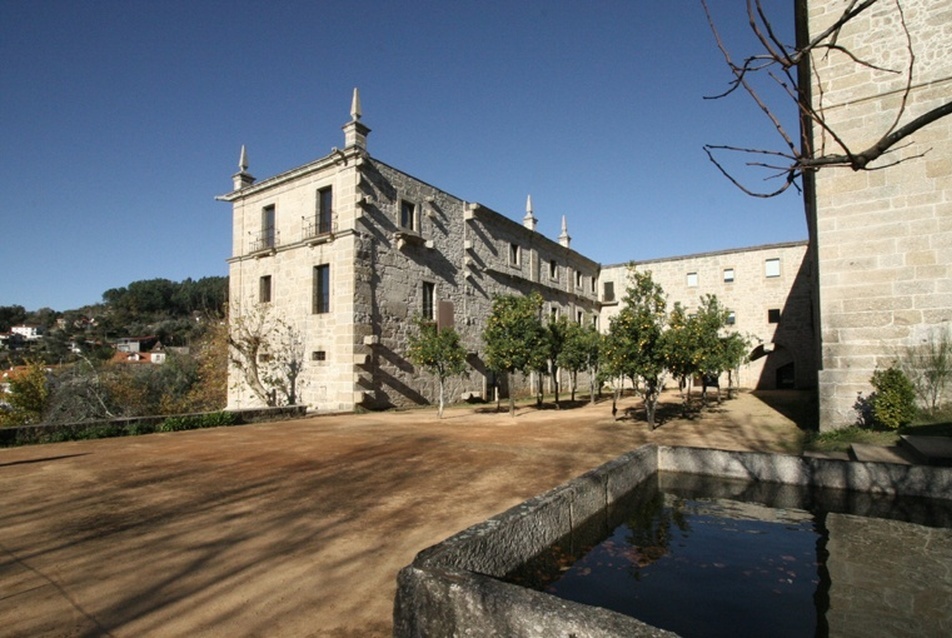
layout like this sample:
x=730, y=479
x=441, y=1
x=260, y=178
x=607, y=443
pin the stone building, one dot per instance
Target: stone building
x=883, y=238
x=351, y=251
x=767, y=289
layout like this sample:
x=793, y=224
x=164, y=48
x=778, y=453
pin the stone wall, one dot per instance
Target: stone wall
x=394, y=241
x=455, y=588
x=884, y=237
x=740, y=280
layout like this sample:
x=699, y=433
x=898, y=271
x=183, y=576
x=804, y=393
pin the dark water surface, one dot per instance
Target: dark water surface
x=709, y=557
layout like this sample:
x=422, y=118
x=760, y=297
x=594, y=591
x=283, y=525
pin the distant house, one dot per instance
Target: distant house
x=136, y=344
x=30, y=333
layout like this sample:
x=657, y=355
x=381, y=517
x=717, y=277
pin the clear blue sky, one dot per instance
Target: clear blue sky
x=121, y=121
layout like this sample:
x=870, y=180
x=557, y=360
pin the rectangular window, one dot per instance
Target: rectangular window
x=408, y=218
x=318, y=355
x=514, y=258
x=608, y=291
x=692, y=279
x=728, y=275
x=579, y=317
x=731, y=318
x=429, y=293
x=578, y=279
x=553, y=270
x=322, y=289
x=267, y=227
x=772, y=267
x=264, y=289
x=325, y=209
x=773, y=315
x=554, y=313
x=593, y=284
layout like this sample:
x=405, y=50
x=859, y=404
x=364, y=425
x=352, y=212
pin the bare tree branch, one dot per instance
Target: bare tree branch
x=780, y=64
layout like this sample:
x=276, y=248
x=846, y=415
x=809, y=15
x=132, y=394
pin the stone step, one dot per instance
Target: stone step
x=868, y=453
x=928, y=450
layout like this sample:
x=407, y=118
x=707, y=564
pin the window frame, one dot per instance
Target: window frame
x=692, y=279
x=265, y=289
x=769, y=273
x=428, y=300
x=325, y=210
x=414, y=216
x=729, y=278
x=321, y=290
x=515, y=254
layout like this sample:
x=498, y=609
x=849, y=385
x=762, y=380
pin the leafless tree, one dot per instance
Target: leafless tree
x=269, y=352
x=789, y=68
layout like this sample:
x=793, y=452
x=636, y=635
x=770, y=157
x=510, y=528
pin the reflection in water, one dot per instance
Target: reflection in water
x=712, y=557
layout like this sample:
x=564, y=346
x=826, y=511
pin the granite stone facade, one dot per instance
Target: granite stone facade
x=883, y=238
x=768, y=290
x=351, y=252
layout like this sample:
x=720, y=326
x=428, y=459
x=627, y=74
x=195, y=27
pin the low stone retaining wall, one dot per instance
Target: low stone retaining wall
x=49, y=433
x=451, y=589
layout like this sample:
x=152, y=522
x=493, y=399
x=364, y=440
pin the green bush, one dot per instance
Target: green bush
x=196, y=421
x=893, y=402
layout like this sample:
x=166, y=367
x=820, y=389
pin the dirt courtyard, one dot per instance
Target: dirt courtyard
x=294, y=528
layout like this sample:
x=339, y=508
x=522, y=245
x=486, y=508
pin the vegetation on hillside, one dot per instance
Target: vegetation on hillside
x=69, y=375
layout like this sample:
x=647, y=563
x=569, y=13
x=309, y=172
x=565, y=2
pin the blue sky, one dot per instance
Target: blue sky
x=121, y=121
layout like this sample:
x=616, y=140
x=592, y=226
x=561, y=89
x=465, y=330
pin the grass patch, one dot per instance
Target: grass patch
x=840, y=440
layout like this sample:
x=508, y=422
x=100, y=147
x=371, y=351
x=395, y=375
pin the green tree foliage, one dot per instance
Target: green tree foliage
x=11, y=316
x=635, y=346
x=439, y=352
x=27, y=396
x=580, y=351
x=556, y=334
x=515, y=337
x=893, y=400
x=682, y=344
x=716, y=352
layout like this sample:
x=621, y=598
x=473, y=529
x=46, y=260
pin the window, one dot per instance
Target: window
x=692, y=279
x=608, y=291
x=578, y=279
x=514, y=254
x=408, y=216
x=322, y=289
x=593, y=284
x=319, y=355
x=728, y=275
x=553, y=270
x=267, y=227
x=772, y=267
x=264, y=289
x=773, y=315
x=429, y=294
x=731, y=318
x=325, y=208
x=554, y=313
x=579, y=317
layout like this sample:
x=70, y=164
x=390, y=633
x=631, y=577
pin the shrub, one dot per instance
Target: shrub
x=893, y=400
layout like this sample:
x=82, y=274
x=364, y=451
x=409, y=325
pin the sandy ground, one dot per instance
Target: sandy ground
x=295, y=528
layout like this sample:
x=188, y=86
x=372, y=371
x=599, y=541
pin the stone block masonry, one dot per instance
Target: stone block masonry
x=884, y=237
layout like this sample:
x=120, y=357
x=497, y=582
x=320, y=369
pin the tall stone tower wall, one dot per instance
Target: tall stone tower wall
x=883, y=237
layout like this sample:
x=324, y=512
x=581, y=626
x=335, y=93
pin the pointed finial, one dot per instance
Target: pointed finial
x=564, y=238
x=355, y=105
x=242, y=178
x=529, y=221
